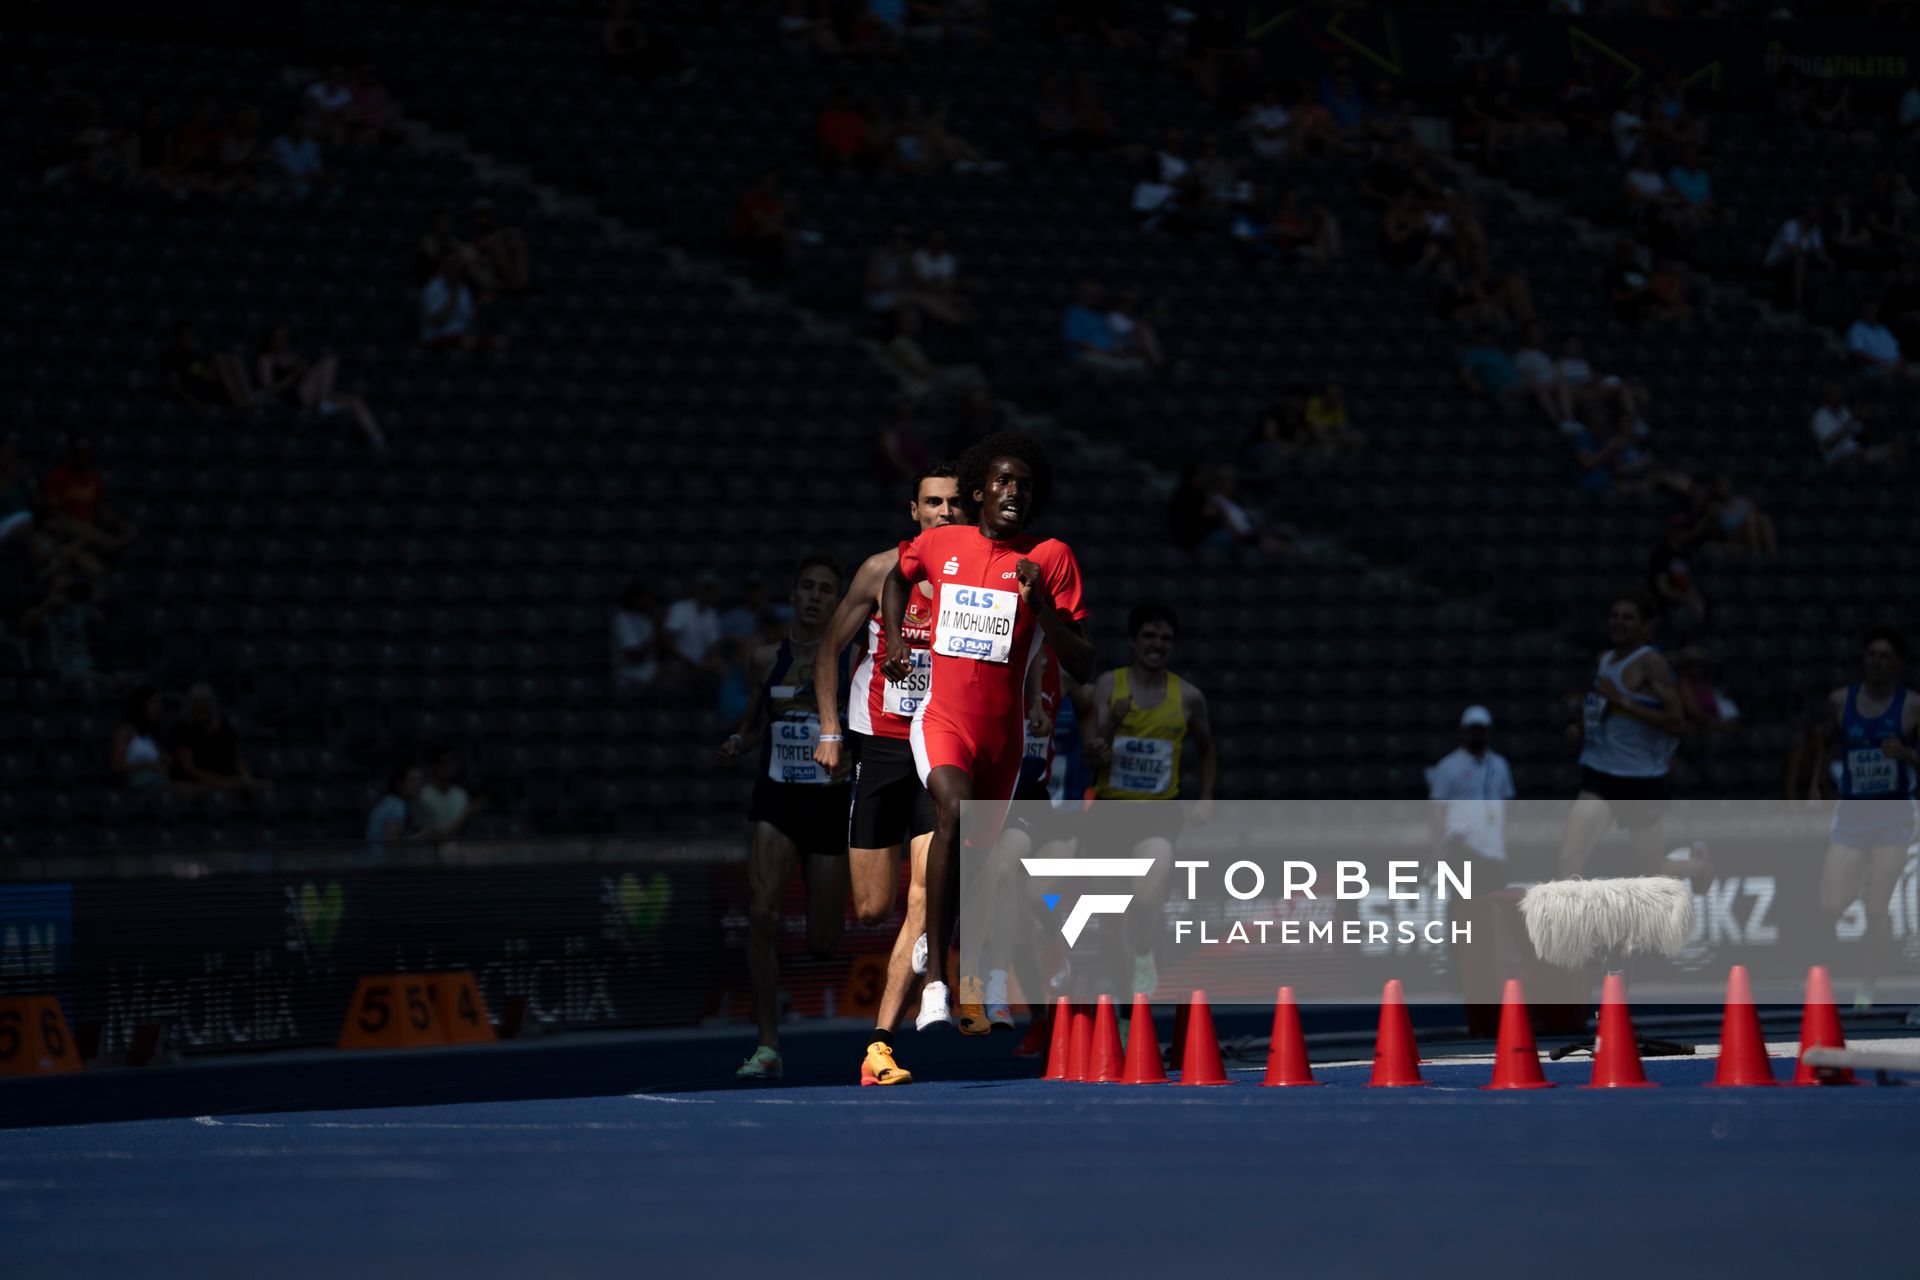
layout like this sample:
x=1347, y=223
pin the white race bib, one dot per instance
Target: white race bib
x=791, y=759
x=976, y=623
x=1872, y=772
x=907, y=697
x=1037, y=747
x=1596, y=712
x=1144, y=765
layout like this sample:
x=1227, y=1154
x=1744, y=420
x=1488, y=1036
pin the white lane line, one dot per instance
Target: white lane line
x=668, y=1097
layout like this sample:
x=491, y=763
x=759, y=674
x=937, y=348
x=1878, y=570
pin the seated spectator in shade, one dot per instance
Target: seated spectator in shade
x=1592, y=459
x=368, y=114
x=206, y=750
x=16, y=494
x=1269, y=126
x=241, y=155
x=1841, y=436
x=1282, y=433
x=899, y=451
x=327, y=101
x=1673, y=581
x=1312, y=233
x=309, y=385
x=1342, y=99
x=918, y=373
x=889, y=280
x=1907, y=116
x=1485, y=368
x=1090, y=340
x=1900, y=305
x=502, y=249
x=635, y=649
x=759, y=233
x=1873, y=346
x=296, y=160
x=1157, y=203
x=1539, y=376
x=1690, y=181
x=436, y=242
x=1796, y=247
x=1707, y=710
x=202, y=379
x=443, y=809
x=923, y=142
x=1628, y=286
x=1575, y=372
x=450, y=313
x=1668, y=291
x=1330, y=424
x=1405, y=239
x=1809, y=771
x=743, y=619
x=1738, y=521
x=940, y=291
x=843, y=137
x=77, y=510
x=391, y=820
x=692, y=630
x=1230, y=525
x=136, y=761
x=61, y=628
x=196, y=149
x=1135, y=331
x=1848, y=236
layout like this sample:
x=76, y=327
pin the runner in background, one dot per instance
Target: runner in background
x=890, y=807
x=798, y=812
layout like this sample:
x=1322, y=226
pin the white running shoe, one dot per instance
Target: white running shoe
x=999, y=1008
x=920, y=954
x=933, y=1007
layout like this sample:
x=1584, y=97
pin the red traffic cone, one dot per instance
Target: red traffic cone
x=1143, y=1047
x=1060, y=1045
x=1616, y=1050
x=1396, y=1057
x=1080, y=1045
x=1109, y=1059
x=1287, y=1052
x=1200, y=1061
x=1516, y=1059
x=1820, y=1029
x=1743, y=1050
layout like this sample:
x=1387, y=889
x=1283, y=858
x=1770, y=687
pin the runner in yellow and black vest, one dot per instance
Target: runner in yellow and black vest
x=1148, y=717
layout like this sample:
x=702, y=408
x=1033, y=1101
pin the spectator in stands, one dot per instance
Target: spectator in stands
x=1890, y=211
x=1136, y=331
x=1739, y=523
x=135, y=761
x=889, y=282
x=202, y=379
x=692, y=630
x=1469, y=788
x=1187, y=520
x=296, y=159
x=1313, y=234
x=804, y=26
x=61, y=628
x=1576, y=374
x=635, y=657
x=1849, y=237
x=937, y=284
x=1217, y=183
x=1453, y=293
x=90, y=150
x=1330, y=424
x=1628, y=125
x=1628, y=287
x=308, y=385
x=1281, y=434
x=1314, y=130
x=1690, y=180
x=1090, y=340
x=1810, y=764
x=391, y=820
x=327, y=101
x=1874, y=348
x=1651, y=205
x=743, y=619
x=1795, y=247
x=1668, y=291
x=443, y=810
x=1158, y=203
x=1269, y=126
x=843, y=136
x=1671, y=579
x=241, y=154
x=759, y=232
x=436, y=242
x=900, y=452
x=1907, y=115
x=1900, y=304
x=918, y=373
x=16, y=494
x=77, y=510
x=1592, y=459
x=196, y=149
x=923, y=142
x=368, y=115
x=503, y=250
x=1389, y=119
x=1841, y=436
x=1485, y=369
x=1230, y=525
x=450, y=313
x=1341, y=97
x=206, y=750
x=1539, y=376
x=149, y=153
x=632, y=49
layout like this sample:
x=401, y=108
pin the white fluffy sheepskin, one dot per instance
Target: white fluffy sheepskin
x=1573, y=922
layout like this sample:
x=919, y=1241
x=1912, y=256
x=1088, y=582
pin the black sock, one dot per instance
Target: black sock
x=883, y=1035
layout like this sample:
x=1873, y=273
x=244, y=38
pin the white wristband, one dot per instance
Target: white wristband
x=832, y=737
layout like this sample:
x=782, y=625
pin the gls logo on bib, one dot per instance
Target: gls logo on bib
x=976, y=623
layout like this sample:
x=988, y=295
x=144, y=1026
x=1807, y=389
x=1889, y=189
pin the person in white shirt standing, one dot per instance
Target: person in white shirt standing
x=693, y=627
x=635, y=653
x=1794, y=246
x=1470, y=787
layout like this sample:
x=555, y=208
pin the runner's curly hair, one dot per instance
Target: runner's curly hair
x=979, y=457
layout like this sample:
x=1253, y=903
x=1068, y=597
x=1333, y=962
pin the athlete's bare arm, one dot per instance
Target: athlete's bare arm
x=1069, y=641
x=893, y=613
x=1656, y=681
x=1200, y=733
x=747, y=736
x=1899, y=748
x=848, y=621
x=1097, y=727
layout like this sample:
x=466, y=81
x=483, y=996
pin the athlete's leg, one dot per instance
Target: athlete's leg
x=826, y=902
x=1143, y=921
x=951, y=788
x=1587, y=823
x=900, y=963
x=876, y=880
x=770, y=861
x=1840, y=877
x=1884, y=866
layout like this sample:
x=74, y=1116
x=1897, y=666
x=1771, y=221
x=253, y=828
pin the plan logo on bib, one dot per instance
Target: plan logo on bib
x=1092, y=904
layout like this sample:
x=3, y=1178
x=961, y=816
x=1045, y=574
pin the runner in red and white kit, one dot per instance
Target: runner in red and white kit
x=1000, y=592
x=890, y=806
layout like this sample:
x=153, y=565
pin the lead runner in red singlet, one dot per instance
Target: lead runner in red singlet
x=890, y=807
x=1000, y=591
